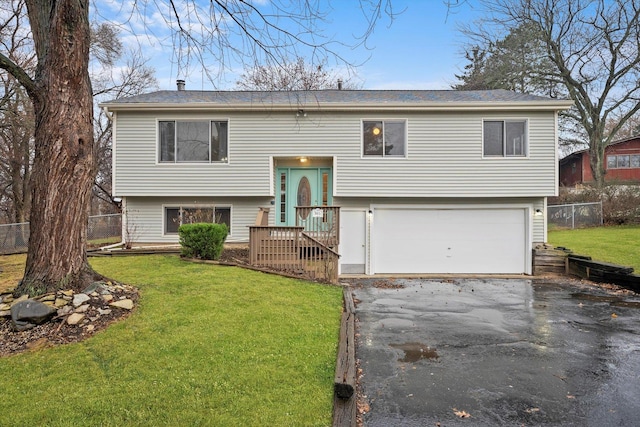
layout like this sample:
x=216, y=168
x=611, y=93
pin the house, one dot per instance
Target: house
x=426, y=181
x=622, y=164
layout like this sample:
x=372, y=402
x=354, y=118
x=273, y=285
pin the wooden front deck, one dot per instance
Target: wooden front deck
x=307, y=249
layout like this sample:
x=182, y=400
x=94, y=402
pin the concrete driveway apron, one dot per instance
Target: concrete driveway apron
x=506, y=352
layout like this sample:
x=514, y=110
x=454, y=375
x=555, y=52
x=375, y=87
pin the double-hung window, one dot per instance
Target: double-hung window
x=505, y=138
x=384, y=138
x=192, y=141
x=174, y=217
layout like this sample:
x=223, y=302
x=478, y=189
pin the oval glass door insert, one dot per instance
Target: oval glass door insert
x=304, y=192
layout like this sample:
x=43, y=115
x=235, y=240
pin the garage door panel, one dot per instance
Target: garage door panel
x=449, y=240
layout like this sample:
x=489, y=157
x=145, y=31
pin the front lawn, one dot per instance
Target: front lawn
x=208, y=345
x=615, y=244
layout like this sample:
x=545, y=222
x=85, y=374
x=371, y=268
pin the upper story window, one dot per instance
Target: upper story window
x=384, y=138
x=193, y=141
x=505, y=138
x=623, y=161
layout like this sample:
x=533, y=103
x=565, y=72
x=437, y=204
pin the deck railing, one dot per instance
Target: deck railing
x=292, y=250
x=320, y=222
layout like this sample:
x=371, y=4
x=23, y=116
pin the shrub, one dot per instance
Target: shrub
x=202, y=240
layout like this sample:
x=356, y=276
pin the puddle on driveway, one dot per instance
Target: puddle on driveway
x=414, y=351
x=614, y=301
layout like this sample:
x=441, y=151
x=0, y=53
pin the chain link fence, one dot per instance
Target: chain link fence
x=14, y=238
x=577, y=215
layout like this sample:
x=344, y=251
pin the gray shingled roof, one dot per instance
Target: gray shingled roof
x=328, y=98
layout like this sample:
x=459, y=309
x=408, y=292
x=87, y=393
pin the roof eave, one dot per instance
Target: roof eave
x=555, y=105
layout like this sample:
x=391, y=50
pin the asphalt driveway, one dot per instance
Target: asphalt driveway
x=509, y=352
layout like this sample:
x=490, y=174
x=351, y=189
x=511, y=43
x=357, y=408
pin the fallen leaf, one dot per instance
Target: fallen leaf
x=613, y=315
x=570, y=396
x=532, y=410
x=461, y=414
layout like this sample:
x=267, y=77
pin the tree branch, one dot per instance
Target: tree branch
x=16, y=71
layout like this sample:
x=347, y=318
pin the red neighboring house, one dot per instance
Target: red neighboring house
x=622, y=163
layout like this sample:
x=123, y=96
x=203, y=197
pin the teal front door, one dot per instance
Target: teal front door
x=301, y=187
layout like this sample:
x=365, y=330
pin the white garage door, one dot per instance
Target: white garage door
x=449, y=240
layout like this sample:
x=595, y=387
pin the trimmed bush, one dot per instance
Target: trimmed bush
x=202, y=240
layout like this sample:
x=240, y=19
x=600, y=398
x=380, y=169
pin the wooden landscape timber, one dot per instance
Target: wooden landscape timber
x=344, y=401
x=549, y=259
x=603, y=272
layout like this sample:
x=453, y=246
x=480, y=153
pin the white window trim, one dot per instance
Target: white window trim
x=384, y=156
x=192, y=119
x=507, y=119
x=194, y=205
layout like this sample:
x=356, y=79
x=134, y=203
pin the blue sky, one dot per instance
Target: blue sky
x=420, y=49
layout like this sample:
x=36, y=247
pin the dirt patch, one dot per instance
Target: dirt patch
x=235, y=255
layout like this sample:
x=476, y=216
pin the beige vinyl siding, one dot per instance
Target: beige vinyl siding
x=145, y=216
x=539, y=233
x=444, y=156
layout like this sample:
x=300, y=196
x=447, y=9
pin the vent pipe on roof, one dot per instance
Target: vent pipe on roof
x=339, y=84
x=180, y=84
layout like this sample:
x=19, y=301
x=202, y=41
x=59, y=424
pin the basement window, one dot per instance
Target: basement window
x=174, y=217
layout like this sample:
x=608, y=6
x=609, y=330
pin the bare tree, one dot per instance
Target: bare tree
x=296, y=75
x=16, y=149
x=16, y=119
x=118, y=73
x=60, y=91
x=594, y=48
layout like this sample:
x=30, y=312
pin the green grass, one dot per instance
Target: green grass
x=11, y=271
x=618, y=245
x=207, y=346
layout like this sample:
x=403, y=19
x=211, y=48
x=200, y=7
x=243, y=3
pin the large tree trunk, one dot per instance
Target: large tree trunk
x=64, y=166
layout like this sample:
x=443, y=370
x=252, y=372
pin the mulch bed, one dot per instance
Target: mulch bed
x=58, y=331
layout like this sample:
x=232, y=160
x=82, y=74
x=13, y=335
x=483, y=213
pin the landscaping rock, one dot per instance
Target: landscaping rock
x=20, y=299
x=75, y=318
x=64, y=310
x=92, y=287
x=79, y=299
x=127, y=304
x=82, y=308
x=28, y=313
x=91, y=312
